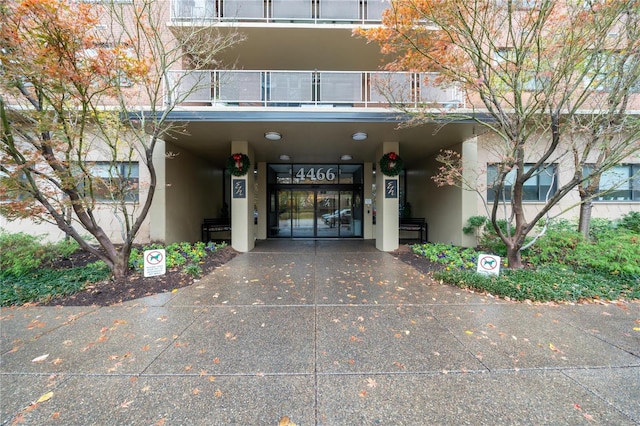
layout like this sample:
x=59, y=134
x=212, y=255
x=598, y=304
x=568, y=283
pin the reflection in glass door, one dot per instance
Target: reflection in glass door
x=315, y=213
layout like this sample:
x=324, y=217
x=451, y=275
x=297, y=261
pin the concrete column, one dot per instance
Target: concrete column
x=261, y=231
x=242, y=200
x=368, y=196
x=469, y=198
x=387, y=221
x=158, y=211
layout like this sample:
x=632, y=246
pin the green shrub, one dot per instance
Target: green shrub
x=48, y=283
x=176, y=254
x=193, y=270
x=551, y=283
x=448, y=255
x=631, y=221
x=23, y=253
x=618, y=255
x=553, y=246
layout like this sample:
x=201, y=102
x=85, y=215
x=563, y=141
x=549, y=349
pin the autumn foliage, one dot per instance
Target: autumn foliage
x=82, y=108
x=552, y=80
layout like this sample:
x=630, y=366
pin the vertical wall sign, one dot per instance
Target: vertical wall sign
x=239, y=188
x=390, y=188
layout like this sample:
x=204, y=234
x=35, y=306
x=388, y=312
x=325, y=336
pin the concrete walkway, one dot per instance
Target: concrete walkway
x=328, y=333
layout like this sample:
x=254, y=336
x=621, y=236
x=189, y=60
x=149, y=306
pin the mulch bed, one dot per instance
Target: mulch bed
x=109, y=292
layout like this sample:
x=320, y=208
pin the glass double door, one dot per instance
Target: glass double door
x=316, y=213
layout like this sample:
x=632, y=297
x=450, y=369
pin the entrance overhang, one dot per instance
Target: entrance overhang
x=314, y=135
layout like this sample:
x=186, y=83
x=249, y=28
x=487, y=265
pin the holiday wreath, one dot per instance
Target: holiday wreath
x=238, y=164
x=391, y=164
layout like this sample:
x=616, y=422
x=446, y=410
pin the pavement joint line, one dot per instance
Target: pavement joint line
x=597, y=395
x=170, y=343
x=328, y=305
x=457, y=372
x=598, y=337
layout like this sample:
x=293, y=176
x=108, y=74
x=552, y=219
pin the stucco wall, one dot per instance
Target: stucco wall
x=445, y=209
x=568, y=207
x=193, y=191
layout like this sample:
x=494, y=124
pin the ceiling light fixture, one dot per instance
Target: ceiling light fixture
x=273, y=136
x=359, y=136
x=285, y=157
x=346, y=157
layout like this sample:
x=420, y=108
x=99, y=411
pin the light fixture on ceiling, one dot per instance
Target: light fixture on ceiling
x=346, y=157
x=285, y=157
x=359, y=136
x=273, y=136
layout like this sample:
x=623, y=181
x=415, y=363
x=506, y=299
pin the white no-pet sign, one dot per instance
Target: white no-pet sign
x=488, y=264
x=155, y=263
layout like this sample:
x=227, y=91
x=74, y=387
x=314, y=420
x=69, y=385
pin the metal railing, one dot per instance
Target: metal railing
x=310, y=88
x=302, y=11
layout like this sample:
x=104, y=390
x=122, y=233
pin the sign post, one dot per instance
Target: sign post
x=488, y=264
x=155, y=262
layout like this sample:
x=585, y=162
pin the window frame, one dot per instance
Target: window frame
x=632, y=180
x=541, y=190
x=125, y=170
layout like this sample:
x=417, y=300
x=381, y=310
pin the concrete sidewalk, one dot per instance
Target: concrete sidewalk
x=329, y=333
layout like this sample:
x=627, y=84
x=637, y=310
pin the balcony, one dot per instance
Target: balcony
x=303, y=89
x=359, y=12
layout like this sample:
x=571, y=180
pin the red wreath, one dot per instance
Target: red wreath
x=391, y=164
x=238, y=164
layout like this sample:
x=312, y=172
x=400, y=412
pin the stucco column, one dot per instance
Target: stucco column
x=158, y=212
x=242, y=197
x=469, y=198
x=261, y=230
x=368, y=197
x=387, y=187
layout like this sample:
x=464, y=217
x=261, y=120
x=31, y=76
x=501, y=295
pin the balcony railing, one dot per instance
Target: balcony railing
x=302, y=11
x=362, y=89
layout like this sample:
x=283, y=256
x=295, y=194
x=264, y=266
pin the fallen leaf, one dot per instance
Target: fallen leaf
x=217, y=393
x=47, y=396
x=371, y=383
x=553, y=348
x=40, y=358
x=286, y=421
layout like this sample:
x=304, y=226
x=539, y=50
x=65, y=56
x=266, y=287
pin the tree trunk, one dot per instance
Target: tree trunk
x=584, y=223
x=120, y=268
x=514, y=258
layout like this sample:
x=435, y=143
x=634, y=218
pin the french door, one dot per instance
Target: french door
x=315, y=212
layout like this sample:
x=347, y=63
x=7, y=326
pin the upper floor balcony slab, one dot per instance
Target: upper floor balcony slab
x=310, y=12
x=304, y=89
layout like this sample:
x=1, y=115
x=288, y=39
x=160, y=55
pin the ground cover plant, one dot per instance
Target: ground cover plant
x=561, y=266
x=62, y=273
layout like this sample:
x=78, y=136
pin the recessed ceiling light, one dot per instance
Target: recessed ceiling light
x=359, y=136
x=346, y=157
x=273, y=136
x=285, y=157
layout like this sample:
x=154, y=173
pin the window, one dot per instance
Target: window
x=620, y=183
x=539, y=187
x=10, y=189
x=114, y=181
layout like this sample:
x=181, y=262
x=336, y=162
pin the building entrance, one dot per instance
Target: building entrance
x=301, y=209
